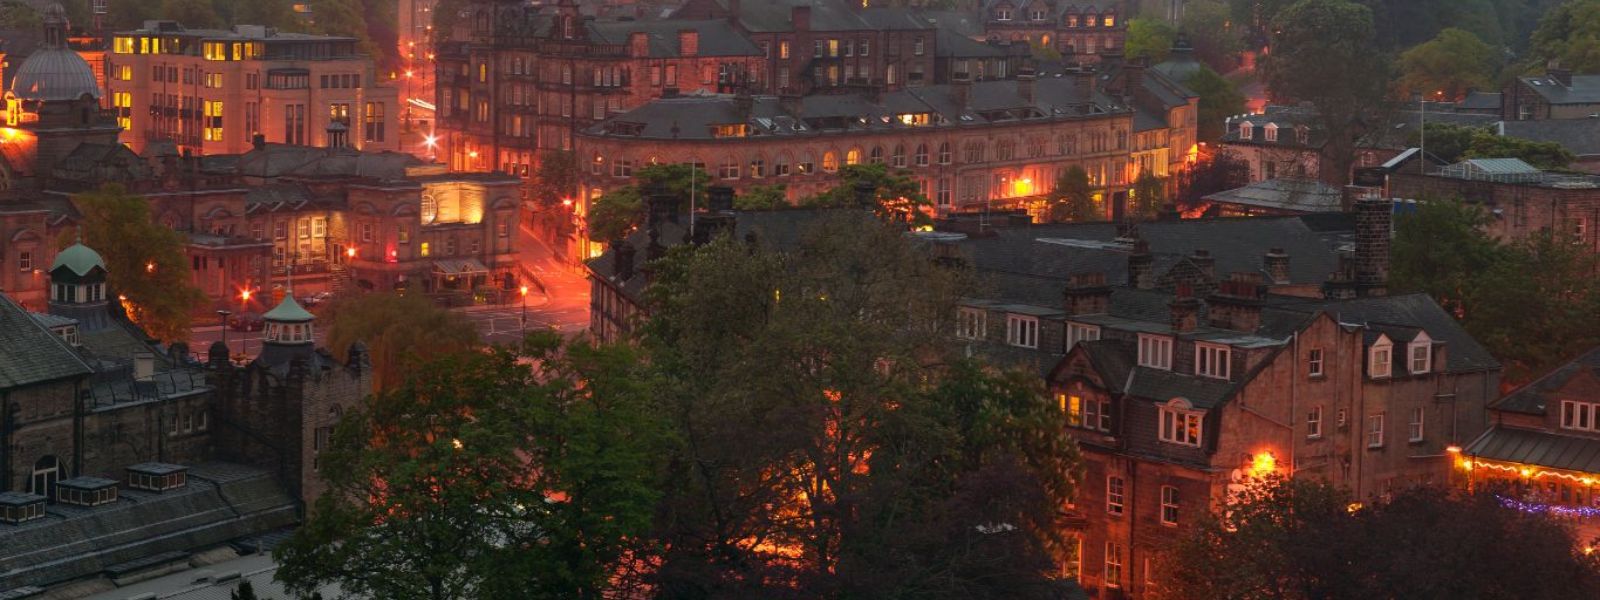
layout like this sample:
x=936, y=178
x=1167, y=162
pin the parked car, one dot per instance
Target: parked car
x=247, y=321
x=316, y=299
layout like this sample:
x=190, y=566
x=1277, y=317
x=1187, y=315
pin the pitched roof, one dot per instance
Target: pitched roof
x=1299, y=195
x=32, y=354
x=1585, y=89
x=713, y=37
x=1536, y=396
x=1541, y=448
x=1579, y=136
x=1463, y=353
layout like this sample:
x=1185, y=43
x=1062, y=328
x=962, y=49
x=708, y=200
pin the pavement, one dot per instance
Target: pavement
x=562, y=305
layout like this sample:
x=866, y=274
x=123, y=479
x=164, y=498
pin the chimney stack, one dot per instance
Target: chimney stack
x=688, y=42
x=1087, y=294
x=1236, y=304
x=144, y=365
x=1207, y=264
x=1560, y=76
x=622, y=259
x=1276, y=264
x=639, y=44
x=1373, y=229
x=1025, y=84
x=1185, y=310
x=1141, y=267
x=800, y=16
x=258, y=141
x=961, y=89
x=1083, y=84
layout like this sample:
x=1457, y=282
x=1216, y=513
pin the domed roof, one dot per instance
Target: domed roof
x=78, y=258
x=288, y=311
x=54, y=74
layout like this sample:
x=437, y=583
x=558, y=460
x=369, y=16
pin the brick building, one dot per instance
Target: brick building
x=1080, y=31
x=1558, y=94
x=212, y=91
x=969, y=145
x=1287, y=141
x=1521, y=199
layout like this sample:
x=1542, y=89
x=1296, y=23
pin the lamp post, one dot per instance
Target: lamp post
x=222, y=315
x=524, y=290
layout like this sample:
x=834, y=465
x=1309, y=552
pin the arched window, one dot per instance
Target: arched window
x=1006, y=149
x=830, y=162
x=852, y=156
x=46, y=472
x=944, y=153
x=807, y=164
x=922, y=155
x=898, y=159
x=430, y=209
x=780, y=165
x=876, y=157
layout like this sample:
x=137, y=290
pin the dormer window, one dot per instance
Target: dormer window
x=1036, y=15
x=1420, y=352
x=157, y=477
x=86, y=491
x=1109, y=21
x=1212, y=360
x=1246, y=130
x=1303, y=134
x=1179, y=423
x=1380, y=358
x=1155, y=351
x=19, y=507
x=1271, y=132
x=1002, y=14
x=1022, y=331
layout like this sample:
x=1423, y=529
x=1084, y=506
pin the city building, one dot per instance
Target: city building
x=1542, y=451
x=212, y=91
x=970, y=145
x=1081, y=31
x=1287, y=141
x=1581, y=137
x=1558, y=94
x=1522, y=199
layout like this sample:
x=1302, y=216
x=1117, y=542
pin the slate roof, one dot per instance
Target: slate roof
x=1579, y=136
x=1161, y=385
x=31, y=353
x=1585, y=89
x=714, y=37
x=1486, y=101
x=1535, y=397
x=1546, y=449
x=1463, y=353
x=1297, y=195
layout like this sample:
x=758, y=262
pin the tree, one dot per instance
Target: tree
x=1448, y=66
x=1149, y=38
x=18, y=16
x=131, y=15
x=1441, y=249
x=827, y=443
x=762, y=197
x=145, y=261
x=1212, y=172
x=618, y=211
x=1323, y=53
x=1217, y=39
x=1149, y=193
x=245, y=591
x=895, y=194
x=1448, y=141
x=1073, y=199
x=1569, y=34
x=484, y=476
x=552, y=187
x=191, y=13
x=1544, y=155
x=399, y=331
x=1219, y=99
x=1301, y=539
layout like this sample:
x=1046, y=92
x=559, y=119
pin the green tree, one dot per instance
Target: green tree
x=618, y=211
x=400, y=332
x=1569, y=34
x=523, y=473
x=191, y=13
x=1544, y=155
x=145, y=261
x=1300, y=539
x=1448, y=141
x=245, y=591
x=1442, y=249
x=895, y=194
x=553, y=185
x=1073, y=198
x=827, y=442
x=274, y=13
x=1217, y=38
x=1537, y=305
x=1219, y=99
x=1214, y=171
x=1149, y=193
x=1323, y=53
x=16, y=15
x=1448, y=66
x=131, y=15
x=762, y=197
x=1149, y=38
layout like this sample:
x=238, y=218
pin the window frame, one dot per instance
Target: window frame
x=1208, y=358
x=1314, y=363
x=1116, y=495
x=1169, y=505
x=1314, y=423
x=1375, y=433
x=1022, y=331
x=971, y=323
x=1178, y=423
x=1380, y=359
x=1416, y=428
x=1155, y=351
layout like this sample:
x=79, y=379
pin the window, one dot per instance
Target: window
x=366, y=232
x=1246, y=130
x=1314, y=422
x=1093, y=414
x=864, y=48
x=24, y=261
x=424, y=250
x=622, y=167
x=876, y=156
x=1022, y=331
x=918, y=47
x=1212, y=361
x=1375, y=431
x=852, y=156
x=1271, y=131
x=1113, y=564
x=1114, y=494
x=728, y=169
x=1416, y=424
x=1179, y=424
x=1379, y=359
x=1003, y=14
x=970, y=323
x=374, y=122
x=783, y=49
x=1169, y=505
x=1421, y=356
x=944, y=153
x=758, y=167
x=830, y=162
x=1583, y=416
x=1078, y=332
x=943, y=197
x=1314, y=362
x=1155, y=351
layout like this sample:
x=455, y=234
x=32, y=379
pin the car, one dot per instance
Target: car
x=247, y=321
x=316, y=299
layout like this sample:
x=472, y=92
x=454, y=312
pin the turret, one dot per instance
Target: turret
x=78, y=287
x=288, y=333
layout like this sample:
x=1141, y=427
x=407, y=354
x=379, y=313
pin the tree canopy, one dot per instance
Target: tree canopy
x=1448, y=66
x=895, y=194
x=400, y=332
x=1219, y=99
x=145, y=261
x=1303, y=539
x=1149, y=38
x=1451, y=143
x=1570, y=34
x=1073, y=198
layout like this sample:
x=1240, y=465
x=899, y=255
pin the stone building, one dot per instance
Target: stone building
x=52, y=107
x=1080, y=31
x=1558, y=94
x=212, y=91
x=1521, y=199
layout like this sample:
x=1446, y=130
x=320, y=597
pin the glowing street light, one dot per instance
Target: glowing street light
x=350, y=252
x=524, y=290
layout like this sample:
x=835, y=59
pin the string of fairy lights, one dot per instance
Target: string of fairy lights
x=1526, y=506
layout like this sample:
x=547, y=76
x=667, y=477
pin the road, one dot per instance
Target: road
x=563, y=305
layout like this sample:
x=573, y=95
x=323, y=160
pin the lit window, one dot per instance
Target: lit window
x=1113, y=565
x=830, y=162
x=1582, y=416
x=1169, y=505
x=1022, y=331
x=213, y=120
x=1179, y=423
x=424, y=249
x=1115, y=494
x=1155, y=351
x=1375, y=431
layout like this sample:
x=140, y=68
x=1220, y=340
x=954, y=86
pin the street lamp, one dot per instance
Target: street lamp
x=524, y=290
x=222, y=315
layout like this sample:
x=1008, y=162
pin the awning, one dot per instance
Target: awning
x=1529, y=447
x=461, y=266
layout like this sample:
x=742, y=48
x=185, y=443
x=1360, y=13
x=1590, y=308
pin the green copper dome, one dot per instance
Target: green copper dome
x=288, y=311
x=80, y=259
